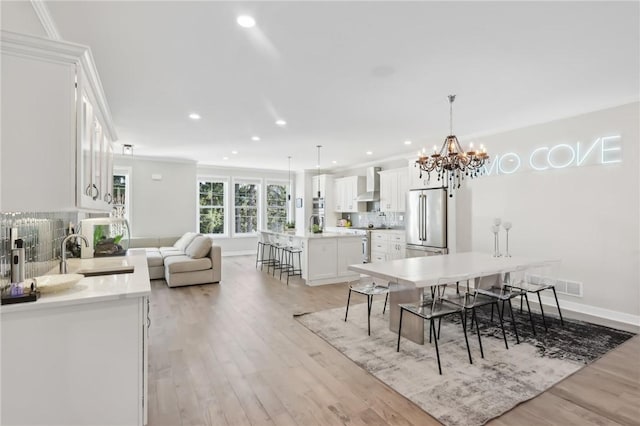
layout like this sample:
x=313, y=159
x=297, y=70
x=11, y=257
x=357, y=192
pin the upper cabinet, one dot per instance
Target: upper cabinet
x=421, y=182
x=57, y=131
x=393, y=190
x=346, y=191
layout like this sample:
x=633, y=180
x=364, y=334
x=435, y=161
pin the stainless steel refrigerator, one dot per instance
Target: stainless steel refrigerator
x=426, y=222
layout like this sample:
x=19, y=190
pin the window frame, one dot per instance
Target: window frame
x=287, y=184
x=259, y=183
x=225, y=203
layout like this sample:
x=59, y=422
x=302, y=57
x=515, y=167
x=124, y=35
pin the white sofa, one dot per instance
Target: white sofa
x=187, y=260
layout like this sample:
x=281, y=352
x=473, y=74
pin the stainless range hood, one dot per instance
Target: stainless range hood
x=373, y=186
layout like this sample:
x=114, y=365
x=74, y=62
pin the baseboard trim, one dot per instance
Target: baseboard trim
x=237, y=253
x=594, y=311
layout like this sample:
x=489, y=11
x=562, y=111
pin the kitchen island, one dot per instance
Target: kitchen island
x=325, y=256
x=79, y=356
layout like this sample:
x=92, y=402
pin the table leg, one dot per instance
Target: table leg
x=412, y=326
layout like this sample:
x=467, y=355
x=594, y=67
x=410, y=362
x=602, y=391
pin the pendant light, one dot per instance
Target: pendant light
x=290, y=184
x=318, y=167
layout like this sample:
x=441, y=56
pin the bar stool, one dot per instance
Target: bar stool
x=288, y=260
x=275, y=253
x=366, y=286
x=262, y=243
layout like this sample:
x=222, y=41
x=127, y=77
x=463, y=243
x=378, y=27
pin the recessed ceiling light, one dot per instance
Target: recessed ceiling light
x=194, y=116
x=234, y=152
x=225, y=158
x=255, y=138
x=407, y=142
x=281, y=123
x=369, y=153
x=246, y=21
x=334, y=162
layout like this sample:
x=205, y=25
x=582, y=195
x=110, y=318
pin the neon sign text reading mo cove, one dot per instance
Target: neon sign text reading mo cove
x=604, y=150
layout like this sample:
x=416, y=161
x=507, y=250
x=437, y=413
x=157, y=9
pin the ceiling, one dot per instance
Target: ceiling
x=350, y=76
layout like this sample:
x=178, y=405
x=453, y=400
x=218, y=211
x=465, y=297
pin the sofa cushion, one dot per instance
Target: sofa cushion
x=170, y=251
x=184, y=241
x=176, y=264
x=154, y=258
x=199, y=247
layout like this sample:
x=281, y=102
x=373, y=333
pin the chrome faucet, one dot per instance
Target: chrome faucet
x=63, y=256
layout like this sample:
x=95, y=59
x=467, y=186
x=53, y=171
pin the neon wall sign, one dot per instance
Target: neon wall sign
x=604, y=150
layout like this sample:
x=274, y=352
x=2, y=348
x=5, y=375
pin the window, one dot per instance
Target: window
x=245, y=201
x=276, y=205
x=211, y=206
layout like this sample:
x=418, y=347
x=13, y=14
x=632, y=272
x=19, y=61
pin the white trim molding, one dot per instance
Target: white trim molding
x=46, y=20
x=622, y=317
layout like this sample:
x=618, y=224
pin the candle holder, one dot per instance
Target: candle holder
x=496, y=241
x=507, y=226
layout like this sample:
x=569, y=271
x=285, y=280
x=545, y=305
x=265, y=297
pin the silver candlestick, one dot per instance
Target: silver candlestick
x=496, y=241
x=507, y=226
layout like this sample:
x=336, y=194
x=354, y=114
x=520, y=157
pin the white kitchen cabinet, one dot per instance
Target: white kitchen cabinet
x=347, y=190
x=417, y=182
x=56, y=127
x=76, y=365
x=322, y=262
x=387, y=245
x=323, y=185
x=393, y=190
x=349, y=253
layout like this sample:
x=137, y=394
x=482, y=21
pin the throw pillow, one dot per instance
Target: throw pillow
x=199, y=247
x=184, y=241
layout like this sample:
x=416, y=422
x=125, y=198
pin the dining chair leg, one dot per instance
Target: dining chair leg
x=348, y=300
x=466, y=340
x=369, y=303
x=492, y=311
x=464, y=321
x=473, y=315
x=504, y=335
x=433, y=328
x=513, y=320
x=439, y=322
x=520, y=303
x=385, y=303
x=557, y=304
x=400, y=329
x=473, y=320
x=533, y=327
x=544, y=321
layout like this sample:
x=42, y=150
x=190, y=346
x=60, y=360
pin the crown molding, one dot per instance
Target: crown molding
x=46, y=20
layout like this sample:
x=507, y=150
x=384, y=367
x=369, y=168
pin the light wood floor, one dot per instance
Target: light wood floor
x=232, y=354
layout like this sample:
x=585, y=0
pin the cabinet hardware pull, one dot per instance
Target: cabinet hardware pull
x=89, y=191
x=109, y=196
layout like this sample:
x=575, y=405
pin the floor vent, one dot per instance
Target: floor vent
x=568, y=287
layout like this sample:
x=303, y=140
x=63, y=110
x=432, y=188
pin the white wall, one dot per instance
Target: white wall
x=165, y=207
x=587, y=216
x=20, y=17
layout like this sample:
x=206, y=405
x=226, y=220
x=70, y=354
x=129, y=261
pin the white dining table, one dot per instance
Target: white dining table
x=409, y=277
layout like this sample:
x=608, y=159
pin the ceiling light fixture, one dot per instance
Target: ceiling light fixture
x=281, y=123
x=452, y=160
x=195, y=116
x=369, y=153
x=246, y=21
x=255, y=138
x=225, y=158
x=127, y=149
x=234, y=152
x=407, y=142
x=334, y=162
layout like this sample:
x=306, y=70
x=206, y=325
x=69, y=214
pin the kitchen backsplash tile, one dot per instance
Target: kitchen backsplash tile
x=377, y=219
x=42, y=234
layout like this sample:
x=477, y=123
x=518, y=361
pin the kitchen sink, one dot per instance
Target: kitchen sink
x=106, y=271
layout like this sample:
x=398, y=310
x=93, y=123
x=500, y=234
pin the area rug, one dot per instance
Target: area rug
x=466, y=394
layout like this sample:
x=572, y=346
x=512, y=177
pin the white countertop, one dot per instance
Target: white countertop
x=432, y=270
x=311, y=235
x=98, y=288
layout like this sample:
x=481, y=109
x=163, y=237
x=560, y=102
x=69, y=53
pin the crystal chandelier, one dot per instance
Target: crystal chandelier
x=452, y=162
